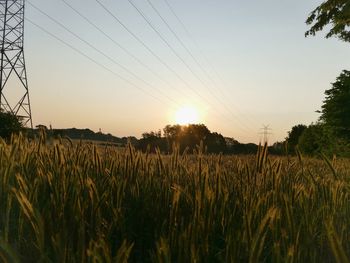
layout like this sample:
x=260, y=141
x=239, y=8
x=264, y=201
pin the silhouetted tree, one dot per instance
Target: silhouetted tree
x=215, y=143
x=9, y=124
x=152, y=140
x=315, y=139
x=294, y=135
x=172, y=134
x=172, y=131
x=320, y=138
x=278, y=148
x=336, y=107
x=152, y=134
x=186, y=137
x=230, y=141
x=334, y=13
x=192, y=135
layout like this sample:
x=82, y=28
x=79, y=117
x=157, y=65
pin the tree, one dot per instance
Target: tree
x=278, y=148
x=172, y=131
x=215, y=142
x=320, y=138
x=152, y=134
x=313, y=139
x=336, y=107
x=151, y=141
x=9, y=124
x=335, y=12
x=172, y=134
x=185, y=137
x=294, y=135
x=191, y=136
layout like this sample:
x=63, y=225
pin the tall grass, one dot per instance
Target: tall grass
x=75, y=202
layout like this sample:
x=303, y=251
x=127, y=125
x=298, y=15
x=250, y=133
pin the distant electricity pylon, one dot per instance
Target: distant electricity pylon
x=266, y=131
x=14, y=94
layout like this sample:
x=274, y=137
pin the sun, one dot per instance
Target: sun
x=187, y=115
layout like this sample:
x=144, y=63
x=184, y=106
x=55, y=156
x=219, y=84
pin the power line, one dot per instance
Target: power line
x=118, y=44
x=168, y=44
x=92, y=60
x=143, y=44
x=190, y=37
x=179, y=40
x=100, y=52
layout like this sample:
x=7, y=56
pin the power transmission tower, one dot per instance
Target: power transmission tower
x=266, y=131
x=14, y=94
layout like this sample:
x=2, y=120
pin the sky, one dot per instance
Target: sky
x=241, y=64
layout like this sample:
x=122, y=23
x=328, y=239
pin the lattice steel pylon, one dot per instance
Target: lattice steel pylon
x=14, y=93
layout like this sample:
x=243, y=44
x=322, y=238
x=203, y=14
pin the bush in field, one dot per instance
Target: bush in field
x=294, y=135
x=318, y=138
x=9, y=124
x=314, y=140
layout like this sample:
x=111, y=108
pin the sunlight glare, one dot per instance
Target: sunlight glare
x=187, y=115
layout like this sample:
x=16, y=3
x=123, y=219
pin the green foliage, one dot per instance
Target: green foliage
x=334, y=12
x=69, y=202
x=336, y=106
x=332, y=134
x=9, y=124
x=320, y=138
x=294, y=135
x=314, y=139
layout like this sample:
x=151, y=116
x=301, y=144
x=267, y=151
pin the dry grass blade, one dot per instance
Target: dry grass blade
x=335, y=243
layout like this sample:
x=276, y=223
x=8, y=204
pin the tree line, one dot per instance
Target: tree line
x=331, y=133
x=189, y=137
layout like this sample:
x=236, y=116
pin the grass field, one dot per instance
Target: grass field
x=82, y=203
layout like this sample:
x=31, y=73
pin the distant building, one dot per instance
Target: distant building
x=41, y=127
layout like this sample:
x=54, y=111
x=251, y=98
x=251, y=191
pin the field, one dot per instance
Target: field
x=72, y=202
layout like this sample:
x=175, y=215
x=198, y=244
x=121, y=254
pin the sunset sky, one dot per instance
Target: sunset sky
x=238, y=64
